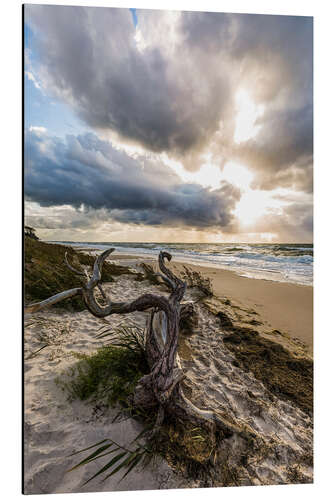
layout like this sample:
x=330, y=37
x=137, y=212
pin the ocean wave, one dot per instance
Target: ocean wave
x=282, y=262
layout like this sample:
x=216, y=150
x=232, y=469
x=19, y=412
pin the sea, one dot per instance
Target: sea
x=291, y=263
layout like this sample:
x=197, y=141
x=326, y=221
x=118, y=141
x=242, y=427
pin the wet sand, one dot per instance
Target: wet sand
x=286, y=307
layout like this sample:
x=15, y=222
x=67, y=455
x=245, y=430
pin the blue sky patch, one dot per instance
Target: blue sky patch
x=134, y=17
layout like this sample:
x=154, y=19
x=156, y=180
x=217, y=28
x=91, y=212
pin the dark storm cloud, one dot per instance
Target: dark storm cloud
x=90, y=58
x=294, y=223
x=274, y=57
x=275, y=51
x=174, y=91
x=282, y=151
x=86, y=172
x=207, y=31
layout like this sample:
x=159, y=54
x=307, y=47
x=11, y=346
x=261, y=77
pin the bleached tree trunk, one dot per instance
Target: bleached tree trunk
x=161, y=388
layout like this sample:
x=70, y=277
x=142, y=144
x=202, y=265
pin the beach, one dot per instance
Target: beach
x=277, y=314
x=286, y=307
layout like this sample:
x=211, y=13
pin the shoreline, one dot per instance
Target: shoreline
x=243, y=270
x=286, y=307
x=241, y=371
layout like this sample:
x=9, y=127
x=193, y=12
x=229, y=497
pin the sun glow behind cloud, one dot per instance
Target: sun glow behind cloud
x=253, y=203
x=196, y=92
x=247, y=114
x=237, y=174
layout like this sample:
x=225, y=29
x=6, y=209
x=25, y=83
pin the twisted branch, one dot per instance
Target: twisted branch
x=71, y=268
x=161, y=386
x=179, y=286
x=37, y=306
x=167, y=281
x=142, y=303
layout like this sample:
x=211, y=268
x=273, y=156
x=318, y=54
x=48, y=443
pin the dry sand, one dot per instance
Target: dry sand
x=282, y=306
x=286, y=307
x=55, y=427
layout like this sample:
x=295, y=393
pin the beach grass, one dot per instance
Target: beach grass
x=283, y=374
x=108, y=377
x=46, y=274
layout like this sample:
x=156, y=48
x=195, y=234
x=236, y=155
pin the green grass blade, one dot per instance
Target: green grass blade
x=107, y=466
x=135, y=461
x=89, y=447
x=90, y=457
x=119, y=467
x=35, y=352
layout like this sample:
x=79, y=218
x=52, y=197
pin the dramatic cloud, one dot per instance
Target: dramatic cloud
x=181, y=86
x=169, y=84
x=293, y=224
x=87, y=173
x=272, y=58
x=158, y=99
x=282, y=152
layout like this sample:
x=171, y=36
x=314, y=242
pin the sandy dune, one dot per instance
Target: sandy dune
x=54, y=427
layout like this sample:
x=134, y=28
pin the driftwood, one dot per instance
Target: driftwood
x=161, y=388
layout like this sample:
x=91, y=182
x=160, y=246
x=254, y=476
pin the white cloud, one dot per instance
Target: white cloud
x=32, y=78
x=37, y=130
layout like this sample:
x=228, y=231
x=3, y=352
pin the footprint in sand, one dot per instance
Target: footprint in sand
x=216, y=380
x=213, y=393
x=82, y=342
x=218, y=365
x=203, y=360
x=90, y=322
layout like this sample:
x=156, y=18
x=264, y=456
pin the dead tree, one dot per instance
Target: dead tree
x=161, y=388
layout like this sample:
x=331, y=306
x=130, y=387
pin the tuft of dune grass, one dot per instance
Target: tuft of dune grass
x=283, y=374
x=45, y=273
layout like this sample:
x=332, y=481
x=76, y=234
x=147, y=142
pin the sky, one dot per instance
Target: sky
x=167, y=126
